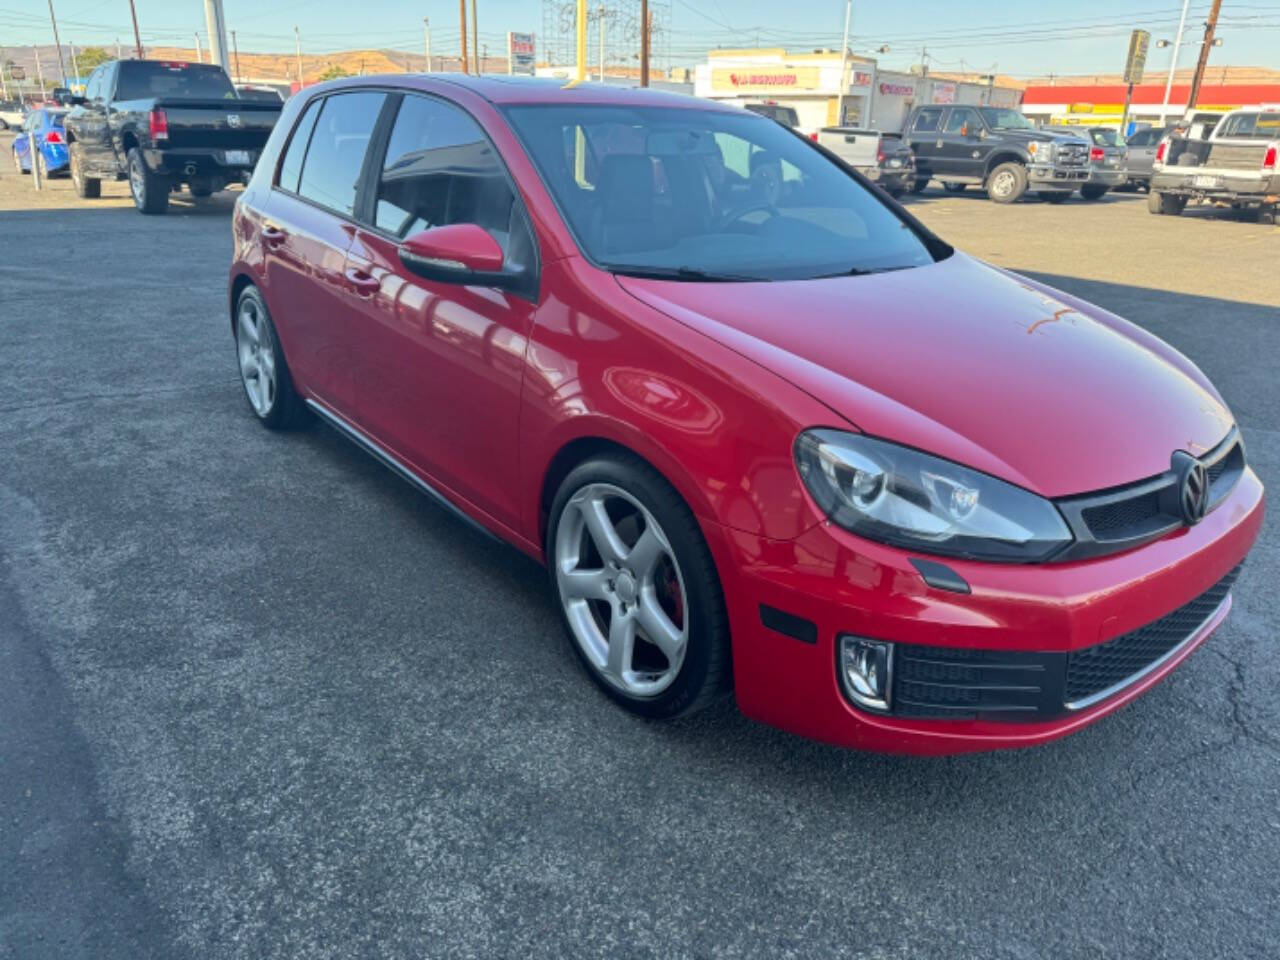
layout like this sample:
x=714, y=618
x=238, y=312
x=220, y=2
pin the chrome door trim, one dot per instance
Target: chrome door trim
x=395, y=465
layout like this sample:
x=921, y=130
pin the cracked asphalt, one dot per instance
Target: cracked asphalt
x=259, y=699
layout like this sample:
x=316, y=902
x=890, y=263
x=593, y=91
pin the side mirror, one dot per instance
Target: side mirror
x=461, y=253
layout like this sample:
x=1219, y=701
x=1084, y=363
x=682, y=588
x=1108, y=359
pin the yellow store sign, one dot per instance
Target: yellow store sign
x=764, y=78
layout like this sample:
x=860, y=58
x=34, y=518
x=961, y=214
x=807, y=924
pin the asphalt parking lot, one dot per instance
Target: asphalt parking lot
x=259, y=699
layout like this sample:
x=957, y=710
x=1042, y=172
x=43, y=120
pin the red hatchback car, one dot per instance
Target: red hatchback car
x=766, y=431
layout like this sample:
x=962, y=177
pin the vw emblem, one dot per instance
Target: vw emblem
x=1193, y=491
x=233, y=120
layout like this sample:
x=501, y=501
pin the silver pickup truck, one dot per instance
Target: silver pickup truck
x=883, y=158
x=1237, y=165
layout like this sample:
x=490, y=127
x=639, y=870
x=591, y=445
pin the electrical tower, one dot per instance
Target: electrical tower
x=557, y=44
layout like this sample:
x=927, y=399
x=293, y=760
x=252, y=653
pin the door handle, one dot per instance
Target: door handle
x=363, y=283
x=272, y=234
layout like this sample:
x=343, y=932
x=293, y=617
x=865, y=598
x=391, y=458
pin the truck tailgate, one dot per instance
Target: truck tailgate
x=219, y=124
x=1236, y=156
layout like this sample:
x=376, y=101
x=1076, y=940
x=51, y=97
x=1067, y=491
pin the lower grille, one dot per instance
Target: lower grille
x=965, y=684
x=1097, y=669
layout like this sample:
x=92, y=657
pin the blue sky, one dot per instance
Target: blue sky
x=1013, y=36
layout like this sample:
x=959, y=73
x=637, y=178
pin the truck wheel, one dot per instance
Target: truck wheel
x=1165, y=204
x=1092, y=191
x=1054, y=196
x=919, y=185
x=201, y=187
x=1007, y=183
x=87, y=188
x=150, y=191
x=954, y=187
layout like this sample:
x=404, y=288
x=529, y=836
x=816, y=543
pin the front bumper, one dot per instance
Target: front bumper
x=1216, y=186
x=1044, y=177
x=192, y=162
x=843, y=584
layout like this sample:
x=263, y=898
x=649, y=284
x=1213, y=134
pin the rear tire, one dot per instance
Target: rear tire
x=920, y=184
x=264, y=373
x=1054, y=196
x=87, y=188
x=202, y=187
x=150, y=191
x=1007, y=182
x=1164, y=204
x=653, y=576
x=1092, y=191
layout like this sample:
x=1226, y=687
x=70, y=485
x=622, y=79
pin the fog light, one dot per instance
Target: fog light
x=865, y=667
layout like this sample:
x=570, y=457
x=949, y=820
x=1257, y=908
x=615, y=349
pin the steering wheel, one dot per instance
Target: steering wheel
x=751, y=206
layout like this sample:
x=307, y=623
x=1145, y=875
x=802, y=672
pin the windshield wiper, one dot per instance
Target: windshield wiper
x=678, y=273
x=863, y=271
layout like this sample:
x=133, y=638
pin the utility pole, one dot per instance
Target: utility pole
x=137, y=37
x=62, y=67
x=582, y=41
x=645, y=25
x=602, y=43
x=199, y=52
x=235, y=54
x=426, y=37
x=1173, y=63
x=216, y=27
x=297, y=49
x=844, y=63
x=39, y=70
x=475, y=39
x=74, y=66
x=462, y=14
x=118, y=54
x=924, y=61
x=1203, y=62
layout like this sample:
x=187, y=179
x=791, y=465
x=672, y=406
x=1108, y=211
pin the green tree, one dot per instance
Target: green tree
x=333, y=72
x=90, y=57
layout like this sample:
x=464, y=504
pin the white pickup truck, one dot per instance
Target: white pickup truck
x=1236, y=165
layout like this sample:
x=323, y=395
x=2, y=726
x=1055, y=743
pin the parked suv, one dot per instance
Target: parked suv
x=766, y=431
x=1106, y=156
x=1140, y=155
x=996, y=148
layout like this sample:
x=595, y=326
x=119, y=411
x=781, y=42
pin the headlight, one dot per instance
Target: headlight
x=909, y=499
x=1041, y=149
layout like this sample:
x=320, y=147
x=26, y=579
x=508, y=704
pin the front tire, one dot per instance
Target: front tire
x=1054, y=196
x=1092, y=191
x=201, y=187
x=919, y=185
x=87, y=188
x=954, y=187
x=150, y=191
x=1007, y=182
x=637, y=590
x=1164, y=204
x=264, y=373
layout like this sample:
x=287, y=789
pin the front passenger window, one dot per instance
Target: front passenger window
x=440, y=169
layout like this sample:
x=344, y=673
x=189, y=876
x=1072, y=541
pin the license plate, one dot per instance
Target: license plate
x=237, y=157
x=1209, y=182
x=895, y=162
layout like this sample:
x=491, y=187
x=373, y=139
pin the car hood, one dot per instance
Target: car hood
x=971, y=363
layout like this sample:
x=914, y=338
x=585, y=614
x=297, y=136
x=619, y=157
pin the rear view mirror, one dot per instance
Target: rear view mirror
x=461, y=253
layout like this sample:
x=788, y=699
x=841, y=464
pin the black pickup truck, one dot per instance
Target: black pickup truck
x=161, y=124
x=996, y=148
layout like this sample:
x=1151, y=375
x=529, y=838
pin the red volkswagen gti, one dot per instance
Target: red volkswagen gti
x=767, y=432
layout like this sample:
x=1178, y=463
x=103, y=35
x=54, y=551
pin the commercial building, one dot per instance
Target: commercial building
x=1103, y=104
x=812, y=82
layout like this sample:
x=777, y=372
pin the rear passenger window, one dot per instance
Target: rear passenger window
x=927, y=121
x=440, y=169
x=336, y=154
x=291, y=168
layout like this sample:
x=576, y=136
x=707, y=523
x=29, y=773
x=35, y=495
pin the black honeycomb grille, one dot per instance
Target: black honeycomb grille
x=1123, y=515
x=1092, y=670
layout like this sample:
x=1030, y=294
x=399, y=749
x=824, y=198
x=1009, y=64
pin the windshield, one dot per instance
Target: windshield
x=147, y=79
x=699, y=194
x=1260, y=126
x=1002, y=118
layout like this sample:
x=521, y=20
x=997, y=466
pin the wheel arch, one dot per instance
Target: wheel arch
x=239, y=281
x=1005, y=156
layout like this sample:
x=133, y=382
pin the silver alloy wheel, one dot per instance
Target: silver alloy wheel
x=257, y=358
x=622, y=589
x=1003, y=183
x=137, y=186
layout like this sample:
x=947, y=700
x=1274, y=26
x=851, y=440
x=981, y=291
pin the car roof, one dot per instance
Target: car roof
x=503, y=89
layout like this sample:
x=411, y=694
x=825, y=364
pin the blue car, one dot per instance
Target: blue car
x=46, y=124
